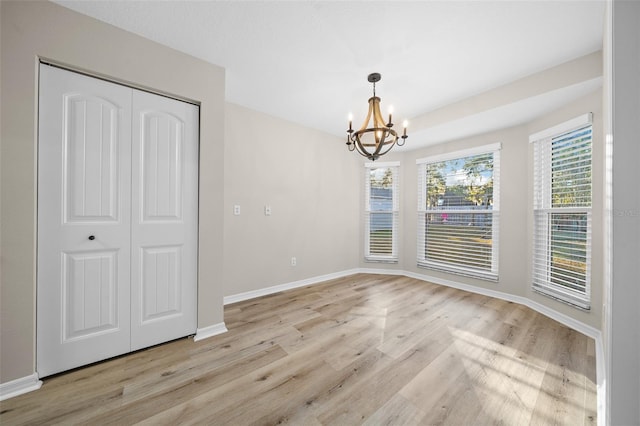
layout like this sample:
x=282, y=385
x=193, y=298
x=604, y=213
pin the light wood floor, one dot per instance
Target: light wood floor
x=365, y=349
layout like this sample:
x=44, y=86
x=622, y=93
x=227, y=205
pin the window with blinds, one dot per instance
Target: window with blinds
x=382, y=207
x=458, y=212
x=562, y=211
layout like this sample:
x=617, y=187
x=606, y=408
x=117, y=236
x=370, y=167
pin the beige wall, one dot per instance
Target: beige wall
x=516, y=218
x=310, y=181
x=32, y=30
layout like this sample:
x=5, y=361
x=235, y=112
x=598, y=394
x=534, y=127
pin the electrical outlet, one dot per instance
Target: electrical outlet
x=294, y=262
x=236, y=210
x=267, y=210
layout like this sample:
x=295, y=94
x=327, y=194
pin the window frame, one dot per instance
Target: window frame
x=395, y=212
x=450, y=267
x=543, y=211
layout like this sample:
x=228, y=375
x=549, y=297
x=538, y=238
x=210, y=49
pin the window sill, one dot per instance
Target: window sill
x=567, y=299
x=379, y=260
x=486, y=276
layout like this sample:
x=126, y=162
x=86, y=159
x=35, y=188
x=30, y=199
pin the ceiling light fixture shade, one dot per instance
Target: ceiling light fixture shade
x=378, y=139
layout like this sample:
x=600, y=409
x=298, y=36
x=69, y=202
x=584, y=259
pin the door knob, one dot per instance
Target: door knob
x=91, y=237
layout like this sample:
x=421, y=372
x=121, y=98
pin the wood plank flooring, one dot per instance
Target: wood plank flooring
x=364, y=349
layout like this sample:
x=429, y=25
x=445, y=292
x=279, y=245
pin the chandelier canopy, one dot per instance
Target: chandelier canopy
x=375, y=140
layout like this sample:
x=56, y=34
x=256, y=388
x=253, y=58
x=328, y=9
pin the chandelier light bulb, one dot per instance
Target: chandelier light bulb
x=405, y=124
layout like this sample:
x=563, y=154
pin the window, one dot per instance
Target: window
x=458, y=212
x=381, y=212
x=562, y=211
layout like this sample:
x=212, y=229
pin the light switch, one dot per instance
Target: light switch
x=267, y=210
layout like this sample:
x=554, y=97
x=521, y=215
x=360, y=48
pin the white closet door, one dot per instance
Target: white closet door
x=117, y=220
x=84, y=172
x=164, y=228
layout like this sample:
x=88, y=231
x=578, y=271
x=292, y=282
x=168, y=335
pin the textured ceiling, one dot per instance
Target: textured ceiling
x=307, y=61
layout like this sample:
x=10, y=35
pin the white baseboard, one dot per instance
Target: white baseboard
x=240, y=297
x=210, y=331
x=19, y=386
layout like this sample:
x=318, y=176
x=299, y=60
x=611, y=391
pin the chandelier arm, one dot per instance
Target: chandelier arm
x=378, y=121
x=370, y=113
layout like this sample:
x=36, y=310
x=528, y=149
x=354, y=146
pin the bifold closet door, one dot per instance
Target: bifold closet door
x=84, y=211
x=164, y=220
x=117, y=220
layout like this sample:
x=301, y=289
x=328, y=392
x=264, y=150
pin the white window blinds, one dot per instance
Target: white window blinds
x=382, y=207
x=459, y=211
x=562, y=212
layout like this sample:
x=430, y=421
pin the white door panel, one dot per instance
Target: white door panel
x=164, y=219
x=84, y=185
x=91, y=165
x=89, y=291
x=117, y=220
x=161, y=139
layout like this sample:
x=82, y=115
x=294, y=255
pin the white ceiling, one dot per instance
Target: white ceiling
x=307, y=61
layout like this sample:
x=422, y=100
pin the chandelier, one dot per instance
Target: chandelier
x=378, y=139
